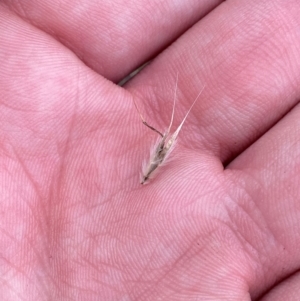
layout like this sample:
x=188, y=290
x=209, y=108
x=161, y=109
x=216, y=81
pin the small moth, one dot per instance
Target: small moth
x=166, y=142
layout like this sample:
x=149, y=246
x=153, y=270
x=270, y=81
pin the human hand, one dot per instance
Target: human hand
x=75, y=222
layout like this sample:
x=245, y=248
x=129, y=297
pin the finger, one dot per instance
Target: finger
x=268, y=174
x=51, y=109
x=246, y=54
x=288, y=290
x=113, y=39
x=32, y=64
x=47, y=95
x=50, y=98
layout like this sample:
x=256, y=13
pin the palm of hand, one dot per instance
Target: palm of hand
x=75, y=221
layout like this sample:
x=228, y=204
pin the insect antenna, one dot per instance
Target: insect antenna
x=173, y=110
x=175, y=134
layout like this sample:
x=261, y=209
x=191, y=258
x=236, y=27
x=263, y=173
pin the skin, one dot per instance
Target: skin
x=221, y=221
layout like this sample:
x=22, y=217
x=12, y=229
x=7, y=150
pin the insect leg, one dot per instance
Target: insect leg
x=145, y=122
